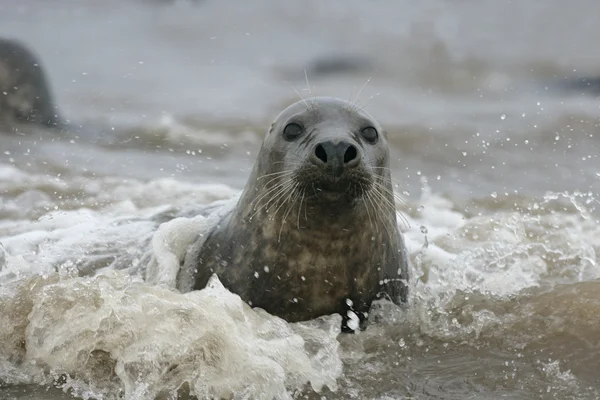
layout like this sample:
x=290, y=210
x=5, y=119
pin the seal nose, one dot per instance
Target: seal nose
x=338, y=155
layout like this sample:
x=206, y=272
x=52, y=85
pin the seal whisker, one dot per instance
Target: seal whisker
x=356, y=98
x=397, y=182
x=289, y=171
x=276, y=199
x=282, y=189
x=278, y=179
x=300, y=207
x=309, y=90
x=305, y=209
x=381, y=189
x=390, y=205
x=392, y=192
x=380, y=209
x=291, y=204
x=287, y=162
x=366, y=194
x=314, y=190
x=403, y=219
x=268, y=184
x=283, y=199
x=367, y=103
x=374, y=208
x=374, y=168
x=307, y=84
x=269, y=190
x=301, y=98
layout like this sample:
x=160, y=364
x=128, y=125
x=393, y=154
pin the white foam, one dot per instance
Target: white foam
x=154, y=339
x=147, y=327
x=169, y=246
x=497, y=255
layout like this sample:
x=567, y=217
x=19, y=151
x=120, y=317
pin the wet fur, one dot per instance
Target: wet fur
x=320, y=249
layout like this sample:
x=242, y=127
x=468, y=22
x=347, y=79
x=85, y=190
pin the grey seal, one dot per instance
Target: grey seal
x=314, y=231
x=25, y=95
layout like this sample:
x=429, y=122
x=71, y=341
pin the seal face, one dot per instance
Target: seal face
x=24, y=93
x=314, y=231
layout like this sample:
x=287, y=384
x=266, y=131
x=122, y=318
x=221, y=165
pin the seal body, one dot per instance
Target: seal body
x=24, y=93
x=314, y=231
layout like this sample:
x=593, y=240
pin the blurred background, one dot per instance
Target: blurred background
x=480, y=96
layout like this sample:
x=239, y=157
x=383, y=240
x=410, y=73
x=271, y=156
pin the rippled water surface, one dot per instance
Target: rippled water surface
x=494, y=149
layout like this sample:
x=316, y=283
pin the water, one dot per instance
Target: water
x=499, y=165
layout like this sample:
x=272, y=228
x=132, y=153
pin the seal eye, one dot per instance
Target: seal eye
x=292, y=131
x=370, y=134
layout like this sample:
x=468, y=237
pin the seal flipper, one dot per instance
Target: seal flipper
x=395, y=276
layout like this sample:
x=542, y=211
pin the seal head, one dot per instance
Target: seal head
x=24, y=93
x=315, y=230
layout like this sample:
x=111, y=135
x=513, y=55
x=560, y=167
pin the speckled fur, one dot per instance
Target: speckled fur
x=305, y=254
x=24, y=93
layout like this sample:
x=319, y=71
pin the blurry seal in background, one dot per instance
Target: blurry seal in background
x=314, y=231
x=25, y=96
x=585, y=85
x=337, y=65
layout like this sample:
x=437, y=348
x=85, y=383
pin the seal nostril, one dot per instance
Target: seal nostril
x=350, y=154
x=321, y=153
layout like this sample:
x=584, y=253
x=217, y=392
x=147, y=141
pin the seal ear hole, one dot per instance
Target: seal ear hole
x=292, y=131
x=370, y=134
x=321, y=153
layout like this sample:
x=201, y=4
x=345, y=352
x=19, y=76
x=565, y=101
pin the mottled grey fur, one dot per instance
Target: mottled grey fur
x=24, y=93
x=295, y=244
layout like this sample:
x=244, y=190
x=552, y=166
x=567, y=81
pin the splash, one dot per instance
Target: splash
x=112, y=335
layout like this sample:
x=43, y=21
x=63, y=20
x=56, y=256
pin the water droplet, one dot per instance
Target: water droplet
x=464, y=153
x=349, y=302
x=420, y=208
x=503, y=116
x=256, y=274
x=303, y=278
x=439, y=177
x=353, y=320
x=494, y=195
x=424, y=230
x=401, y=343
